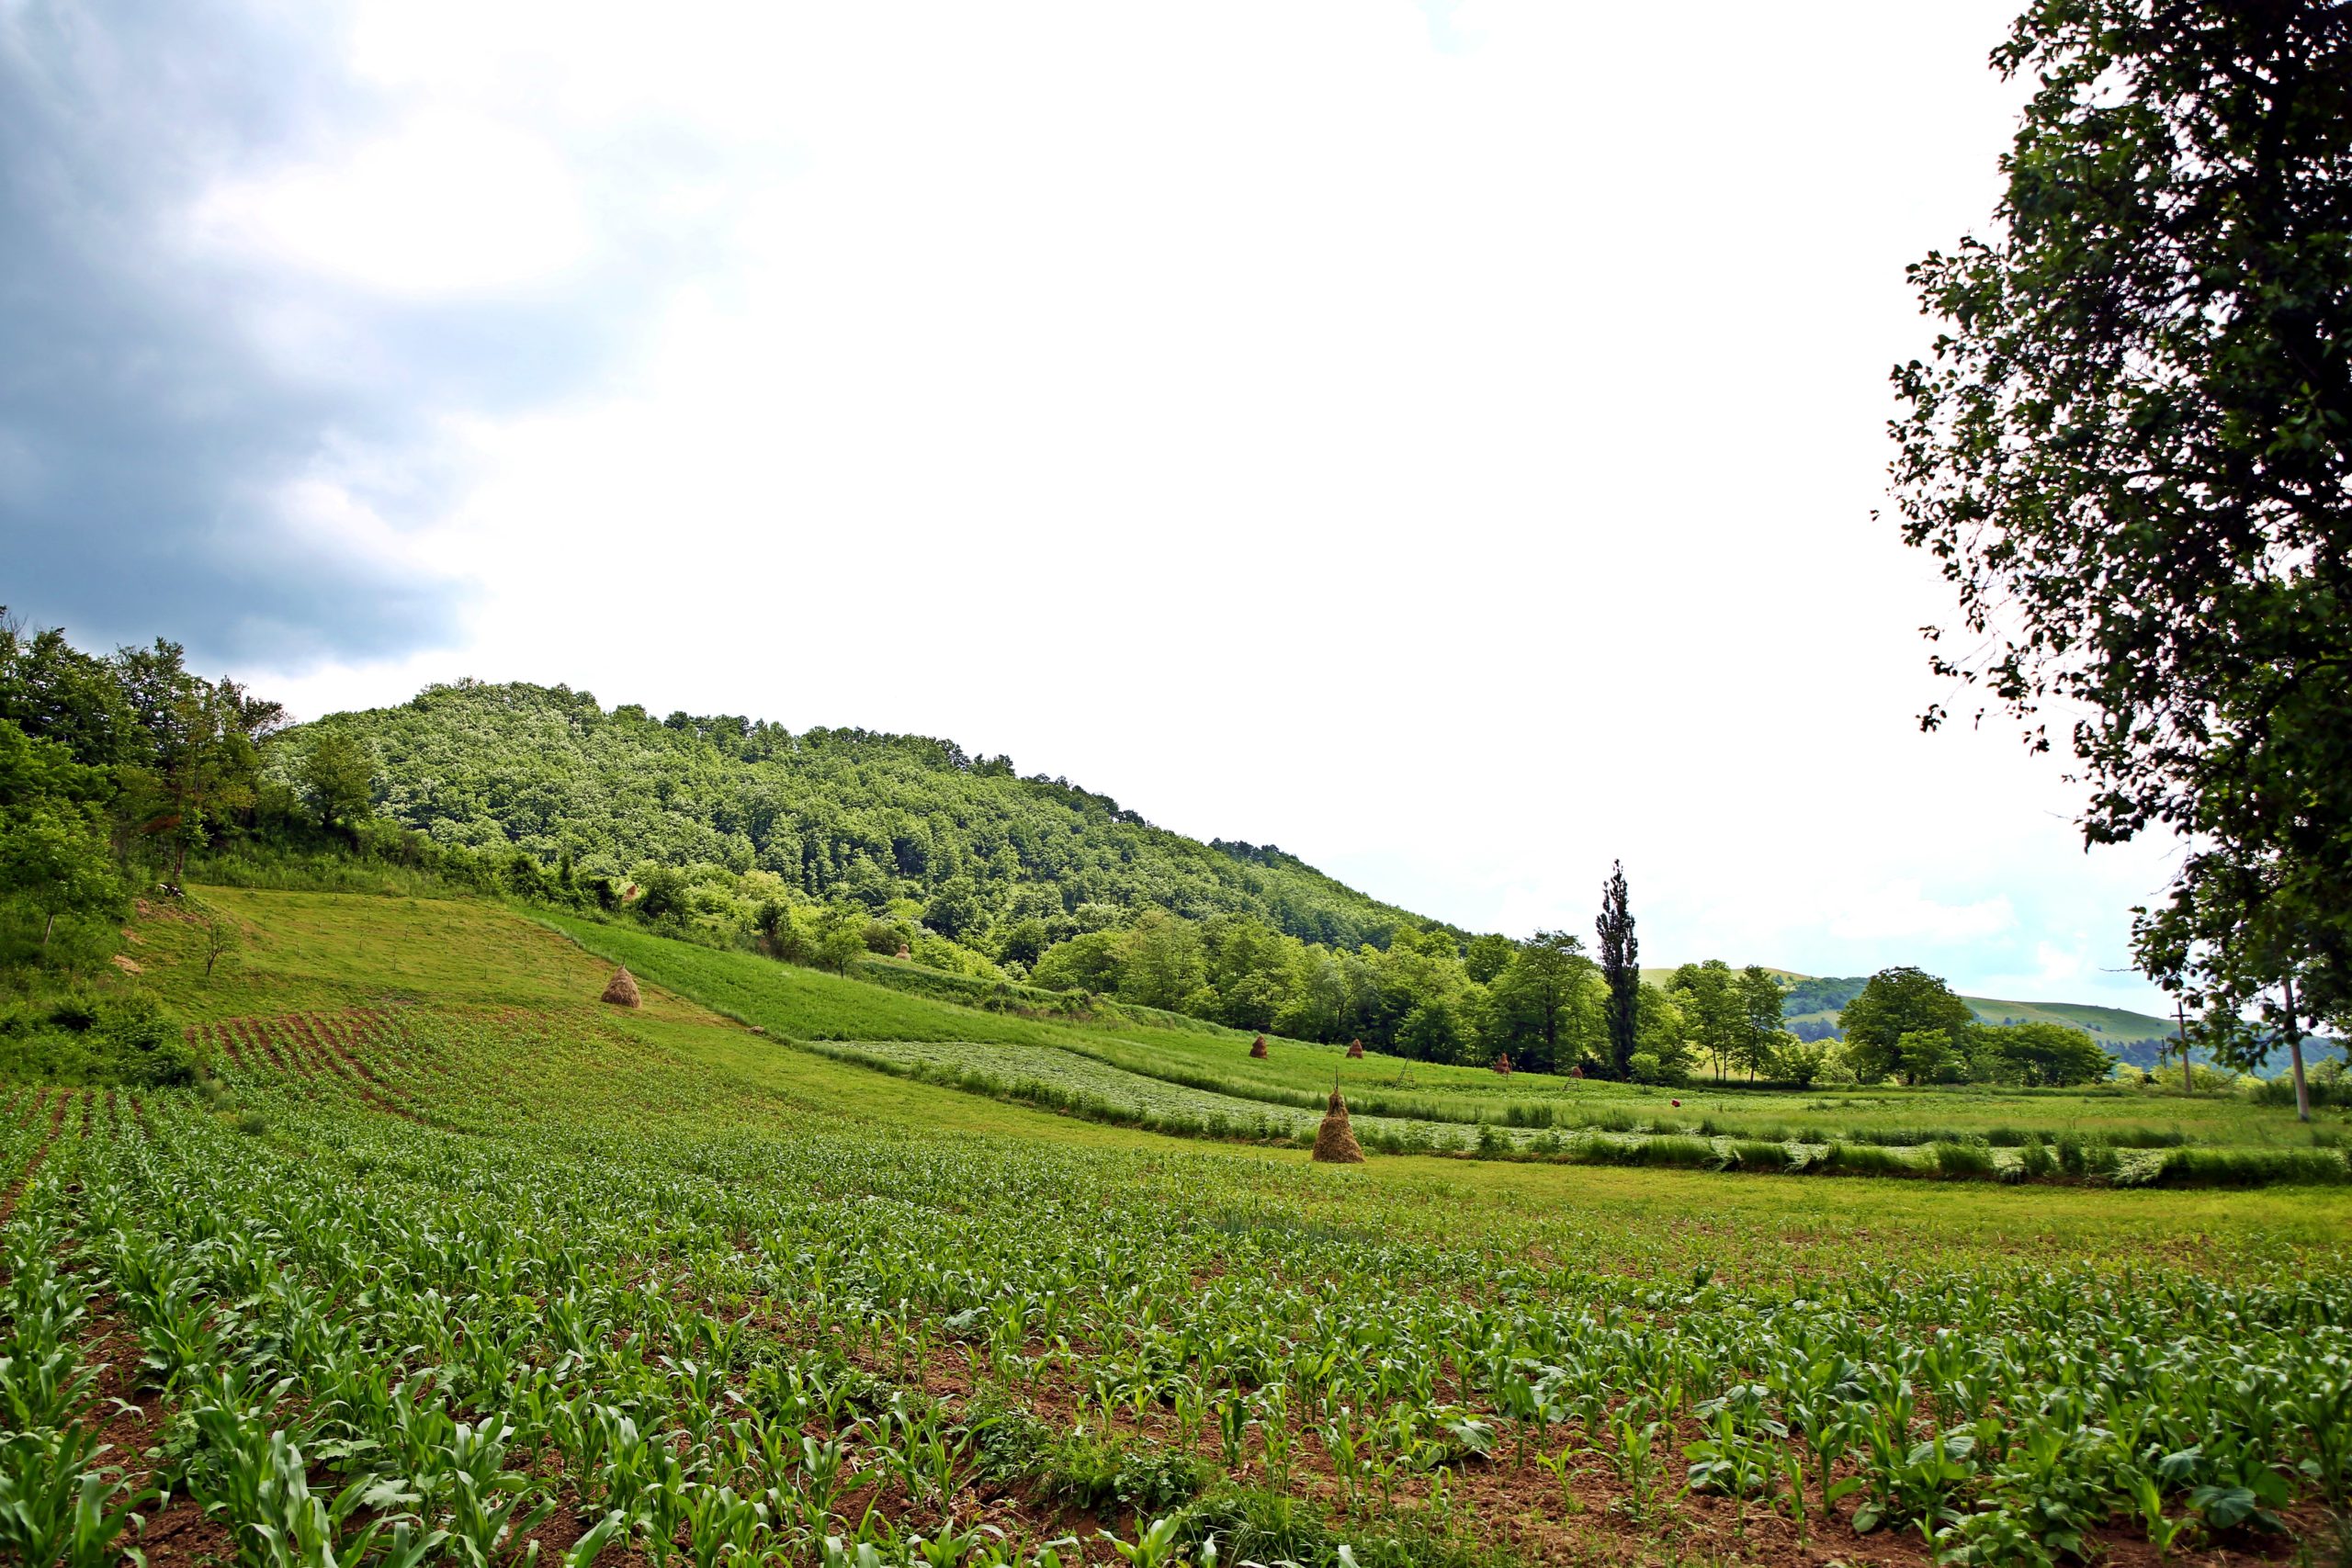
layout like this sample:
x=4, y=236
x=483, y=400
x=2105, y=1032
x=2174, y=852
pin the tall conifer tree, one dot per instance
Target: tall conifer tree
x=1620, y=967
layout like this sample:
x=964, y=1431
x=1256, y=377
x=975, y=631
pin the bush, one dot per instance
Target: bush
x=1836, y=1072
x=88, y=1039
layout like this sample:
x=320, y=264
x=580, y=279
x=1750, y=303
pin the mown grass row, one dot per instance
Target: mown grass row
x=2065, y=1159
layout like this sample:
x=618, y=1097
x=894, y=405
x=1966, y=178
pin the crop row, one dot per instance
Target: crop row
x=582, y=1293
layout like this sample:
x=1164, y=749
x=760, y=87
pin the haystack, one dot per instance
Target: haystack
x=1335, y=1141
x=621, y=989
x=1258, y=1048
x=1502, y=1063
x=1355, y=1050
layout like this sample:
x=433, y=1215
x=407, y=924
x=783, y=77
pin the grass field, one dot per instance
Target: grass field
x=803, y=1004
x=528, y=1271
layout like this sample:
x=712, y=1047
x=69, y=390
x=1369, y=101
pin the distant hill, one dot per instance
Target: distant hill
x=832, y=812
x=1814, y=1002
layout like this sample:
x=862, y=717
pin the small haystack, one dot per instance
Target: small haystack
x=1355, y=1050
x=1502, y=1063
x=1258, y=1048
x=902, y=951
x=621, y=989
x=1335, y=1141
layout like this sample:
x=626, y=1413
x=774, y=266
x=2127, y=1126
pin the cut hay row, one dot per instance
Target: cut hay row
x=1077, y=1084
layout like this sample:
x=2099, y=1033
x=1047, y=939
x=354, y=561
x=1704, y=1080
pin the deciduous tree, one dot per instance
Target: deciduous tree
x=2132, y=451
x=1896, y=1002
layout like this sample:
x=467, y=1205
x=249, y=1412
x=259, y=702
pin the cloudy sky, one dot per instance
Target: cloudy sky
x=1441, y=438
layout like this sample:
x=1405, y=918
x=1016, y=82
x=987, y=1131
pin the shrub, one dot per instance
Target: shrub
x=96, y=1038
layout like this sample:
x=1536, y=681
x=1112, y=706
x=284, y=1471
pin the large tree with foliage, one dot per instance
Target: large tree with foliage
x=2132, y=451
x=1621, y=969
x=1712, y=1010
x=1537, y=1001
x=1906, y=1023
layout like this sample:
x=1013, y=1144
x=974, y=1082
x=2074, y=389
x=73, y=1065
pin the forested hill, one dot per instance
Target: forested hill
x=834, y=812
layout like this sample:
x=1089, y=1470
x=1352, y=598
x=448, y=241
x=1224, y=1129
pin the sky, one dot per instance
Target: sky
x=1445, y=439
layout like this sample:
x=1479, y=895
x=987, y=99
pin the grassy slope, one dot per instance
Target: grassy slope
x=311, y=951
x=808, y=1005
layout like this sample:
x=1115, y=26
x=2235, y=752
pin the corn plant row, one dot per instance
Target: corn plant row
x=581, y=1287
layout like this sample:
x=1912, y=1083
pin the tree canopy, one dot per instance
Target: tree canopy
x=2131, y=449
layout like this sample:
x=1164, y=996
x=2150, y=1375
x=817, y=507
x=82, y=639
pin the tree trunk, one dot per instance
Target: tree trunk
x=48, y=926
x=2180, y=1016
x=2295, y=1057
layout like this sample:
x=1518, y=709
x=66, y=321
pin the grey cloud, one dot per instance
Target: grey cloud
x=143, y=430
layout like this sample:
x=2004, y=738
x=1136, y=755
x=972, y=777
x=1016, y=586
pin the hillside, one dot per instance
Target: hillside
x=883, y=820
x=832, y=812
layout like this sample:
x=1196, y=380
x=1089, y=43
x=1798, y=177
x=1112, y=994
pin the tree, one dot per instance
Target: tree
x=1087, y=961
x=338, y=777
x=1925, y=1056
x=1024, y=941
x=1621, y=970
x=2235, y=940
x=1161, y=965
x=1663, y=1035
x=840, y=937
x=1713, y=1010
x=1487, y=956
x=2133, y=453
x=1533, y=1004
x=955, y=910
x=222, y=937
x=205, y=760
x=1898, y=1002
x=1431, y=1033
x=2045, y=1054
x=54, y=859
x=1761, y=1038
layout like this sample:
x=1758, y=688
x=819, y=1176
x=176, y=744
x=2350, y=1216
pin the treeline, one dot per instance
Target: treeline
x=834, y=847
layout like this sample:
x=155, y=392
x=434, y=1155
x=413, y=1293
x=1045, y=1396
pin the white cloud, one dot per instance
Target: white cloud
x=1900, y=911
x=450, y=203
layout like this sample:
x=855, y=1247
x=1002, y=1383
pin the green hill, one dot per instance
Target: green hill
x=832, y=812
x=883, y=820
